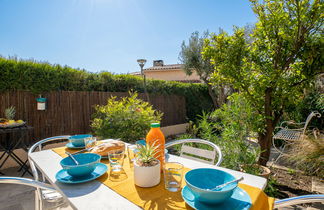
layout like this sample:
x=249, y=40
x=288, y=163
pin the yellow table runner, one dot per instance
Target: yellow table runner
x=158, y=197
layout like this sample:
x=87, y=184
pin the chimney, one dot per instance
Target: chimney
x=158, y=63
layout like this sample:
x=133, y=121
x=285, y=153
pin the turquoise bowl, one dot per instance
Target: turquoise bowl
x=87, y=164
x=202, y=179
x=78, y=140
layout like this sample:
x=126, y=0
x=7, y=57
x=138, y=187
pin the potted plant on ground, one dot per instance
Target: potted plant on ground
x=255, y=169
x=146, y=167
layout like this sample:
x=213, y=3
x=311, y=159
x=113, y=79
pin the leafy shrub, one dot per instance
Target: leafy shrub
x=40, y=77
x=129, y=118
x=271, y=189
x=229, y=127
x=313, y=100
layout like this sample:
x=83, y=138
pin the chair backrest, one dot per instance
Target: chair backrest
x=309, y=118
x=299, y=200
x=25, y=181
x=198, y=154
x=39, y=145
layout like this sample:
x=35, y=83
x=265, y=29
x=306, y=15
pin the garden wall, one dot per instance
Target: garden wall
x=69, y=112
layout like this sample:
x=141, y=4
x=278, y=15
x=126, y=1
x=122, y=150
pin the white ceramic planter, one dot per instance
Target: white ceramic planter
x=147, y=176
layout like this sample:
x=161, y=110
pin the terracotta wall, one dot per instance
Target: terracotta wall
x=174, y=75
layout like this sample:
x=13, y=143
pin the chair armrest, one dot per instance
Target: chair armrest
x=291, y=129
x=285, y=124
x=299, y=200
x=25, y=181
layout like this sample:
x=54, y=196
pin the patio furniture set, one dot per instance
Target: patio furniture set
x=102, y=193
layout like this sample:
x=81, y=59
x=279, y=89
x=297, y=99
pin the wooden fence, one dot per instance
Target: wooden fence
x=69, y=112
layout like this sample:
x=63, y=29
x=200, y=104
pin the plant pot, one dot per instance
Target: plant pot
x=264, y=171
x=147, y=176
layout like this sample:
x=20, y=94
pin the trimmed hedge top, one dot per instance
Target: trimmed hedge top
x=41, y=77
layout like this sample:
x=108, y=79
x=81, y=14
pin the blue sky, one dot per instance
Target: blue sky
x=111, y=35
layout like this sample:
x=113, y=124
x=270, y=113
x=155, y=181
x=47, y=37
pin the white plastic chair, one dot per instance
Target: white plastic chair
x=44, y=195
x=290, y=135
x=37, y=185
x=299, y=200
x=198, y=154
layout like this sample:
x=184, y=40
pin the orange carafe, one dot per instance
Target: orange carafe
x=156, y=136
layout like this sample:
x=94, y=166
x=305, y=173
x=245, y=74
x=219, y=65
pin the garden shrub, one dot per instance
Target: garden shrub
x=41, y=77
x=312, y=100
x=129, y=118
x=229, y=127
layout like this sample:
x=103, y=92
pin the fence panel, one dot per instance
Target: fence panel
x=69, y=112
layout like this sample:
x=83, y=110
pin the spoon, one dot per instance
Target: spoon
x=71, y=156
x=225, y=184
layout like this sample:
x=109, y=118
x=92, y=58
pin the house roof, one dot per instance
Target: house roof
x=164, y=67
x=135, y=73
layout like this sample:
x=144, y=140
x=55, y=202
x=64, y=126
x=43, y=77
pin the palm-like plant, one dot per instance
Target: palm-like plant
x=146, y=155
x=10, y=113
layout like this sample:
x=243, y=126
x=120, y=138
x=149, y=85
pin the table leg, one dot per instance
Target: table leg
x=9, y=150
x=2, y=155
x=12, y=142
x=21, y=163
x=23, y=166
x=5, y=160
x=27, y=171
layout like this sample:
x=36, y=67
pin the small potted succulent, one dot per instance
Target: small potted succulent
x=147, y=171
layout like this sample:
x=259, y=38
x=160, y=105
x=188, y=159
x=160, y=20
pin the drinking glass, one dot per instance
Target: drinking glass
x=90, y=142
x=132, y=152
x=141, y=142
x=116, y=160
x=172, y=176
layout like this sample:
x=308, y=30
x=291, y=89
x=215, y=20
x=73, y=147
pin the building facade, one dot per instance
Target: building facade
x=171, y=72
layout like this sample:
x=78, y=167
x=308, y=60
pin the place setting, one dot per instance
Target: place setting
x=85, y=165
x=214, y=189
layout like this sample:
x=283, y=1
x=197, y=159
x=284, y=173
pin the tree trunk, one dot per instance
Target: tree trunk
x=265, y=145
x=212, y=95
x=266, y=137
x=221, y=95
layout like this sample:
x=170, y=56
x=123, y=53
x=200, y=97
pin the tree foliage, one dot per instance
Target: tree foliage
x=284, y=56
x=193, y=61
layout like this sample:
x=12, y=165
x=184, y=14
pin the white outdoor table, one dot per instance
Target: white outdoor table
x=95, y=195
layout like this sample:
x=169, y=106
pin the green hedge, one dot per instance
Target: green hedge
x=40, y=77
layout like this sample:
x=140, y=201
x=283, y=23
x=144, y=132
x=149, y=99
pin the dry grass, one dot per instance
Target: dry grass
x=308, y=155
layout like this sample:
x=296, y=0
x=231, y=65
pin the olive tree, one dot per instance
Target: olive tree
x=283, y=58
x=193, y=61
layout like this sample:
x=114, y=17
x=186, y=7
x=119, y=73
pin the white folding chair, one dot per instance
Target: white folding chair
x=46, y=195
x=37, y=185
x=290, y=135
x=202, y=155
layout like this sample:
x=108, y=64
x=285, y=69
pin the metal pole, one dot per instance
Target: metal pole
x=144, y=79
